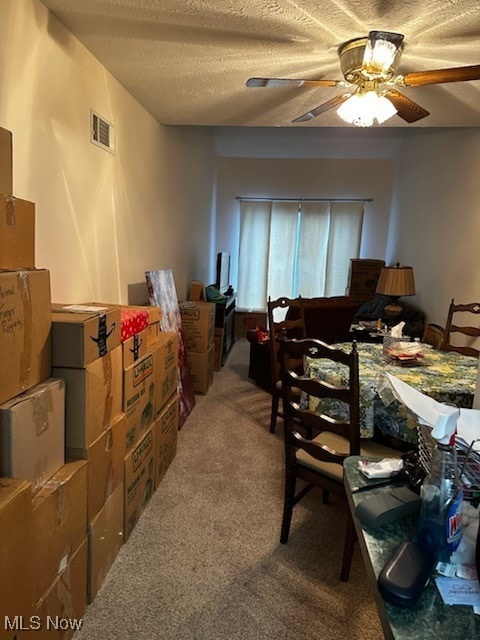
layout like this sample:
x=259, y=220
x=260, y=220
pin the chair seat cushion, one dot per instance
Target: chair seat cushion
x=341, y=445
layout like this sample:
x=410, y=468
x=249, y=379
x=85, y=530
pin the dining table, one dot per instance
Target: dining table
x=446, y=376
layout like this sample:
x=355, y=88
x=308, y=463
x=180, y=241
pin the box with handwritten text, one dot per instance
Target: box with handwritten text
x=25, y=330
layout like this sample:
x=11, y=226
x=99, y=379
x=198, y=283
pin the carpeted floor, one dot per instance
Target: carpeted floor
x=205, y=562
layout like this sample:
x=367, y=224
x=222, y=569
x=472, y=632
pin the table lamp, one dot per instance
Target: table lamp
x=395, y=282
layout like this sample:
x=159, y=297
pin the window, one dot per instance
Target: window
x=291, y=248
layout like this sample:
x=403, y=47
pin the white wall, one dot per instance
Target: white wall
x=304, y=178
x=102, y=220
x=435, y=224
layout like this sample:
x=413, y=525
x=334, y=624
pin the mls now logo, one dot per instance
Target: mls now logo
x=34, y=623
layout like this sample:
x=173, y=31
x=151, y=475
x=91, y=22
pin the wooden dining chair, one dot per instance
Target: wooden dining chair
x=318, y=461
x=433, y=335
x=469, y=333
x=285, y=320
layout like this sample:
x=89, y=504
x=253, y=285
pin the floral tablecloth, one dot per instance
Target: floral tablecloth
x=445, y=376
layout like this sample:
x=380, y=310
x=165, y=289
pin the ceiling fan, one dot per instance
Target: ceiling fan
x=369, y=67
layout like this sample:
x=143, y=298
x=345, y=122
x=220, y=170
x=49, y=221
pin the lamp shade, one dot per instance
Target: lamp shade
x=396, y=281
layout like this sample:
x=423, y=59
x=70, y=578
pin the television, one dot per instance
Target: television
x=223, y=272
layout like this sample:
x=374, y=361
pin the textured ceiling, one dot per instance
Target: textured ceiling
x=187, y=61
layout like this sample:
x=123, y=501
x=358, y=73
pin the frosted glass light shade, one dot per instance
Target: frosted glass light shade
x=362, y=109
x=380, y=53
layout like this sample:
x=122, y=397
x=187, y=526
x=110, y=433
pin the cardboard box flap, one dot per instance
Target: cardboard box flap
x=79, y=313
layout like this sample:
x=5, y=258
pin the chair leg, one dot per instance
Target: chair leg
x=288, y=507
x=350, y=538
x=274, y=414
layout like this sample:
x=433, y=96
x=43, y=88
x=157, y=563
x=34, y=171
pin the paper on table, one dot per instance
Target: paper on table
x=457, y=591
x=428, y=410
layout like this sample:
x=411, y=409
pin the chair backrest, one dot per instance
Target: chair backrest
x=281, y=326
x=470, y=333
x=433, y=335
x=338, y=403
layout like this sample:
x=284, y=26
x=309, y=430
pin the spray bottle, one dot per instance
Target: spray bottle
x=440, y=525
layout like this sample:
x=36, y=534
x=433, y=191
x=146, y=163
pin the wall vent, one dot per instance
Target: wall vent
x=102, y=132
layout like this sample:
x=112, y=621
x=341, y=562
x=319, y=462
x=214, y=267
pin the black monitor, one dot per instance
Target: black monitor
x=223, y=272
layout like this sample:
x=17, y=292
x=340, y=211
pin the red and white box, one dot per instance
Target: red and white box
x=133, y=320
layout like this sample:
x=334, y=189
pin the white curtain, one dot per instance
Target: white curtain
x=253, y=254
x=292, y=248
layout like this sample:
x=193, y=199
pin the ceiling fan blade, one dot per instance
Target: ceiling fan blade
x=330, y=104
x=407, y=109
x=284, y=82
x=455, y=74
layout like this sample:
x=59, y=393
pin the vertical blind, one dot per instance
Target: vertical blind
x=293, y=248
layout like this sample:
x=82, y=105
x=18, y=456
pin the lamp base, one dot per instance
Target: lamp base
x=392, y=311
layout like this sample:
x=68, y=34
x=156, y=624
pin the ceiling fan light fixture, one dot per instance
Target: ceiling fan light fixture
x=363, y=109
x=380, y=54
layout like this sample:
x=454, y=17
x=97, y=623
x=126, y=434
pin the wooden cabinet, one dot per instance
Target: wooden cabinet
x=225, y=320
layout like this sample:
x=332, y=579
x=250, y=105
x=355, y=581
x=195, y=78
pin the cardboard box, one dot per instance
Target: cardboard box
x=153, y=333
x=198, y=325
x=61, y=608
x=166, y=362
x=154, y=312
x=166, y=436
x=105, y=464
x=6, y=162
x=82, y=333
x=16, y=564
x=135, y=347
x=93, y=399
x=32, y=433
x=134, y=320
x=139, y=397
x=139, y=479
x=17, y=233
x=105, y=537
x=25, y=330
x=217, y=360
x=59, y=523
x=246, y=320
x=200, y=366
x=363, y=278
x=197, y=291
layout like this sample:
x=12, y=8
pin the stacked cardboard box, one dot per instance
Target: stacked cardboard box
x=109, y=401
x=16, y=554
x=87, y=355
x=42, y=525
x=363, y=277
x=59, y=527
x=150, y=375
x=198, y=326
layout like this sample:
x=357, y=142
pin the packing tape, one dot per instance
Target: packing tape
x=42, y=408
x=64, y=594
x=62, y=507
x=109, y=484
x=108, y=441
x=41, y=475
x=23, y=283
x=107, y=383
x=10, y=211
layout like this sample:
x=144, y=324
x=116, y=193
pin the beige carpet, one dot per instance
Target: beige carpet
x=205, y=562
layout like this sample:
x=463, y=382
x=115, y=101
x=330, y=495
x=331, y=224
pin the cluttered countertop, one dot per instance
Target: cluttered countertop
x=421, y=541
